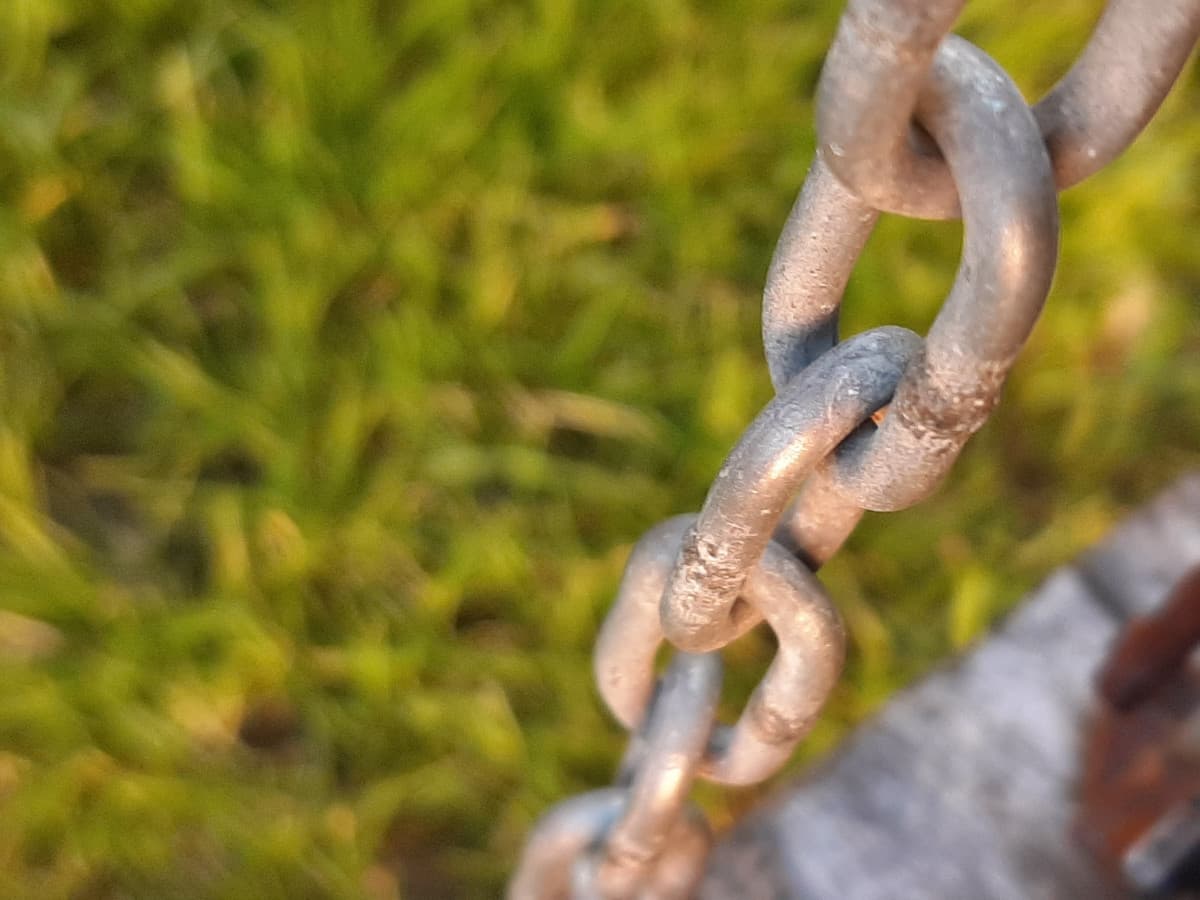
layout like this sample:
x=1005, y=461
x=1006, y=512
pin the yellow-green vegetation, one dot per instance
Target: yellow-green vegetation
x=345, y=349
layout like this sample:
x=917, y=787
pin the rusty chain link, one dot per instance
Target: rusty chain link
x=911, y=120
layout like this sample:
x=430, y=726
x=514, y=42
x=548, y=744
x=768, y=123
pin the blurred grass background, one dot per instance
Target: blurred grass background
x=346, y=348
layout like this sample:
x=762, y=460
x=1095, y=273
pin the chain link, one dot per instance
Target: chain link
x=877, y=71
x=910, y=120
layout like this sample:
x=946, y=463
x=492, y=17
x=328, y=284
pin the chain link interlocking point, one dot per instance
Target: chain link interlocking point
x=911, y=120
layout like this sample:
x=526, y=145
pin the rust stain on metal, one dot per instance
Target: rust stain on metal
x=1140, y=780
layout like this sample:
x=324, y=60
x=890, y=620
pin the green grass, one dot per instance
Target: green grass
x=346, y=348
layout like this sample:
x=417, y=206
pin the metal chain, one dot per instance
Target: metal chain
x=911, y=120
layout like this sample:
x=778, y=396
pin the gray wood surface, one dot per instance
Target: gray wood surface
x=963, y=786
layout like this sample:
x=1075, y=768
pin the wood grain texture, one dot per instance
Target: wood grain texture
x=963, y=786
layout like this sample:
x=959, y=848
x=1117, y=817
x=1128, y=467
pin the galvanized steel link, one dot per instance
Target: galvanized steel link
x=815, y=412
x=879, y=62
x=1010, y=248
x=549, y=865
x=800, y=679
x=663, y=763
x=992, y=144
x=640, y=840
x=820, y=243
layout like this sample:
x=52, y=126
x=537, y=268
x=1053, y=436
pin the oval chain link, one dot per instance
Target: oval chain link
x=641, y=839
x=912, y=120
x=879, y=62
